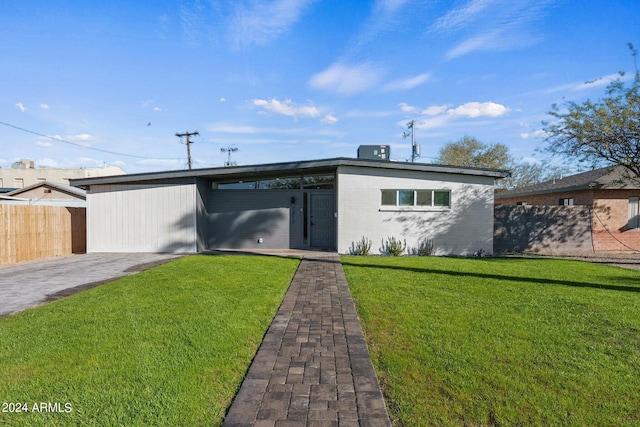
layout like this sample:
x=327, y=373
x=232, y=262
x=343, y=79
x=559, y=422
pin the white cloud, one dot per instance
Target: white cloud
x=240, y=129
x=151, y=104
x=490, y=40
x=44, y=142
x=595, y=83
x=330, y=119
x=434, y=110
x=265, y=20
x=494, y=25
x=441, y=115
x=286, y=107
x=479, y=109
x=433, y=123
x=406, y=108
x=458, y=18
x=347, y=79
x=44, y=106
x=222, y=100
x=46, y=162
x=83, y=139
x=385, y=16
x=536, y=134
x=389, y=6
x=89, y=162
x=408, y=83
x=21, y=107
x=359, y=114
x=164, y=163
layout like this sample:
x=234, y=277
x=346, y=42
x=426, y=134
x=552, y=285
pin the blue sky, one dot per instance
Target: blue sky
x=288, y=80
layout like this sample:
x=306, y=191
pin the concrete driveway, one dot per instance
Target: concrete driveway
x=33, y=283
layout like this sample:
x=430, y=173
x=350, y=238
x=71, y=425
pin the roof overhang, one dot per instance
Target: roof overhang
x=288, y=168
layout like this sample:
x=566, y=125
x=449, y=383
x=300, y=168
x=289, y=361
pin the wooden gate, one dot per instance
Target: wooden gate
x=32, y=232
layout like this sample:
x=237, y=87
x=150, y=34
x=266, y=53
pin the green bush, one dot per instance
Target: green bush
x=393, y=246
x=424, y=248
x=363, y=247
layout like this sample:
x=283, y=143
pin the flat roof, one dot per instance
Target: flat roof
x=226, y=173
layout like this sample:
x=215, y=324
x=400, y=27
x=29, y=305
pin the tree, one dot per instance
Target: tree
x=470, y=152
x=524, y=174
x=603, y=132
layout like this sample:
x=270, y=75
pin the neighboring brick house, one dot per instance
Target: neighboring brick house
x=612, y=196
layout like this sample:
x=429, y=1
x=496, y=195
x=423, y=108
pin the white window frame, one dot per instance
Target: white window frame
x=634, y=213
x=415, y=207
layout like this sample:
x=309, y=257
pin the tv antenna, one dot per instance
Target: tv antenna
x=415, y=148
x=229, y=150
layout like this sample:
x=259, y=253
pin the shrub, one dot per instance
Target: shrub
x=393, y=246
x=424, y=248
x=363, y=247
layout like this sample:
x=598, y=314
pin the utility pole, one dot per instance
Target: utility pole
x=229, y=150
x=415, y=148
x=187, y=135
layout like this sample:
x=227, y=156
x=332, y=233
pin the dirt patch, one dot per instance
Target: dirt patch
x=623, y=260
x=70, y=291
x=630, y=260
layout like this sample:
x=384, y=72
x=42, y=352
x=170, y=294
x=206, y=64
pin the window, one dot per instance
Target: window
x=388, y=197
x=566, y=202
x=634, y=213
x=406, y=198
x=416, y=198
x=441, y=198
x=316, y=182
x=319, y=182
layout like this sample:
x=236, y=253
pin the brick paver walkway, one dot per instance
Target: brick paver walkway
x=313, y=367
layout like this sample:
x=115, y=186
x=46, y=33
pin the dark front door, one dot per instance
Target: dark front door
x=322, y=220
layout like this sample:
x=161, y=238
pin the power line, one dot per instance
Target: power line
x=83, y=146
x=188, y=134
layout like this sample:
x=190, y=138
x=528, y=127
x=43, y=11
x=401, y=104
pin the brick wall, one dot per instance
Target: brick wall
x=609, y=219
x=552, y=230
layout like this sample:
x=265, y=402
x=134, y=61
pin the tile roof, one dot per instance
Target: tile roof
x=610, y=177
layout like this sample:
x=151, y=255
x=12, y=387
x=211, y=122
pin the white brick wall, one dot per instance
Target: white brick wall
x=463, y=230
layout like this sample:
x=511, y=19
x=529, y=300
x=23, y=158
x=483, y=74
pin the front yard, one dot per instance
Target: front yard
x=454, y=341
x=169, y=346
x=501, y=341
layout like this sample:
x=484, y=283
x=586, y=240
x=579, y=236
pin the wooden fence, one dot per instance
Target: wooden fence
x=32, y=232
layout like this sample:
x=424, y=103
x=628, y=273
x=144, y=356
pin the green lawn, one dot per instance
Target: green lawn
x=169, y=346
x=501, y=341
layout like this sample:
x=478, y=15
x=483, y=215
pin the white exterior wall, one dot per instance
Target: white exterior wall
x=21, y=178
x=142, y=218
x=462, y=230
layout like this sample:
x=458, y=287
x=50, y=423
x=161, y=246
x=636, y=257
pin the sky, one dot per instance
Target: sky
x=90, y=84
